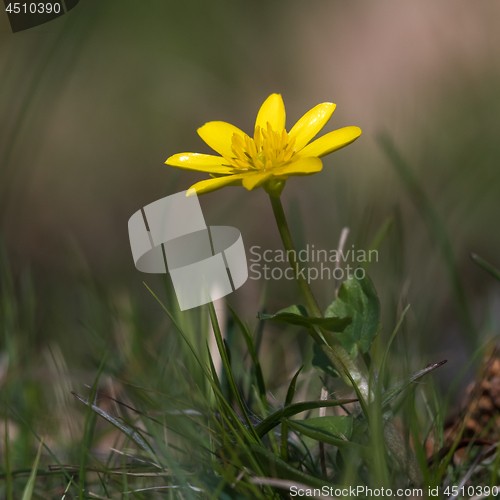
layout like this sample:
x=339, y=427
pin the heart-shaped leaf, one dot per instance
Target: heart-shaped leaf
x=297, y=315
x=357, y=299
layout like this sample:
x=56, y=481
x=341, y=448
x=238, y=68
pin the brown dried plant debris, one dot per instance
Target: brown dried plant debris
x=481, y=408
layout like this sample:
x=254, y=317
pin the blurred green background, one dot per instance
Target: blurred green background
x=93, y=103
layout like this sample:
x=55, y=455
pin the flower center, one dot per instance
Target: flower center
x=267, y=150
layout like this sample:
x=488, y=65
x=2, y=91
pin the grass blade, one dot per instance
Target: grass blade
x=247, y=434
x=227, y=366
x=486, y=266
x=291, y=388
x=398, y=388
x=132, y=434
x=378, y=240
x=30, y=485
x=53, y=456
x=7, y=465
x=284, y=425
x=253, y=355
x=88, y=432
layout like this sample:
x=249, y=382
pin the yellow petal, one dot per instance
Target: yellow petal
x=311, y=124
x=252, y=181
x=210, y=185
x=272, y=111
x=302, y=166
x=199, y=163
x=218, y=135
x=331, y=142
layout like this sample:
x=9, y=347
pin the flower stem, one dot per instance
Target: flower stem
x=333, y=349
x=286, y=237
x=336, y=353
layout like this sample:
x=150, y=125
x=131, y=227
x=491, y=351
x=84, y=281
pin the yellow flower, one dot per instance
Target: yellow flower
x=271, y=156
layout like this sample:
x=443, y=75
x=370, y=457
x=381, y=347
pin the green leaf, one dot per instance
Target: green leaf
x=30, y=485
x=321, y=362
x=357, y=299
x=297, y=315
x=335, y=430
x=289, y=411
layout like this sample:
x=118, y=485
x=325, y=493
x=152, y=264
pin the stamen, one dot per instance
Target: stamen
x=257, y=138
x=267, y=149
x=284, y=139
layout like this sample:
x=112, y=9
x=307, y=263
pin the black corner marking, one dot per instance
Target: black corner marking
x=26, y=14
